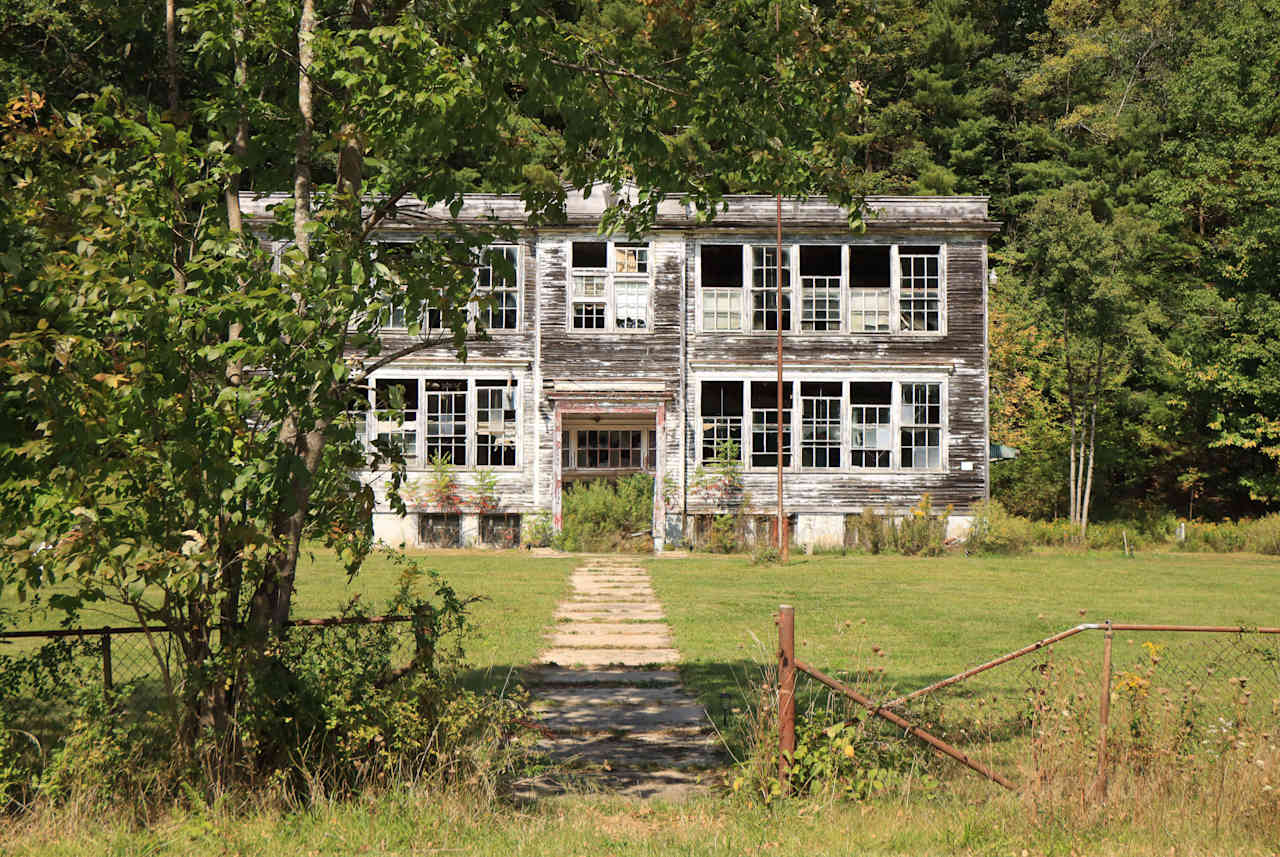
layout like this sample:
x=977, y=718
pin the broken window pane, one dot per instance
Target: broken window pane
x=496, y=423
x=921, y=426
x=721, y=403
x=920, y=302
x=820, y=424
x=871, y=438
x=764, y=424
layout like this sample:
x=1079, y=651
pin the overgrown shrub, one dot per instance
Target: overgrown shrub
x=921, y=531
x=537, y=530
x=868, y=531
x=995, y=531
x=1263, y=535
x=326, y=712
x=605, y=515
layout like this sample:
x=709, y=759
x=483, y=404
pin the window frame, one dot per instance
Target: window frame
x=706, y=295
x=473, y=304
x=896, y=380
x=611, y=278
x=472, y=414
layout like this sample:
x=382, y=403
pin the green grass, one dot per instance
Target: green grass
x=519, y=593
x=933, y=617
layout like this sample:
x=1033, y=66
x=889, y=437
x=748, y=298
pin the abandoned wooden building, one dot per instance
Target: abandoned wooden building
x=605, y=357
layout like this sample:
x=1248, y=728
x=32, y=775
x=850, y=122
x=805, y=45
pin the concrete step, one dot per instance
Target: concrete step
x=608, y=657
x=557, y=676
x=593, y=695
x=675, y=719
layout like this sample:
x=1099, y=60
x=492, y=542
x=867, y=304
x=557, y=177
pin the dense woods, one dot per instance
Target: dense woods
x=1129, y=147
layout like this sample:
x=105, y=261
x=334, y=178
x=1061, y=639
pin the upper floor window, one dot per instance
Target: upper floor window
x=495, y=303
x=610, y=286
x=857, y=288
x=497, y=287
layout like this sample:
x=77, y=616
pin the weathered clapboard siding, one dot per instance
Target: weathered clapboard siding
x=660, y=369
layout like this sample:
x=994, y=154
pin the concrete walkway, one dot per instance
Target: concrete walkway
x=615, y=714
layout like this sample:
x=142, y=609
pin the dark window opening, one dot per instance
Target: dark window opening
x=721, y=265
x=821, y=260
x=764, y=424
x=869, y=266
x=590, y=254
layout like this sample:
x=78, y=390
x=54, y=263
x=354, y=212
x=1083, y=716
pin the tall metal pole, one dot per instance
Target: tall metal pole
x=784, y=542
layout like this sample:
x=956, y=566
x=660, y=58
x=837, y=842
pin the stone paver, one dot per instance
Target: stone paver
x=613, y=718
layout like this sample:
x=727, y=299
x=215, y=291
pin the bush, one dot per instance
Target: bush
x=920, y=531
x=869, y=531
x=995, y=531
x=603, y=515
x=537, y=531
x=1263, y=535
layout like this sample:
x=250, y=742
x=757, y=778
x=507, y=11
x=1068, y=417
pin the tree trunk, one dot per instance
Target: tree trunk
x=306, y=127
x=171, y=55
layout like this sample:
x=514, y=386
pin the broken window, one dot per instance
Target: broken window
x=440, y=531
x=820, y=286
x=498, y=290
x=920, y=288
x=869, y=288
x=720, y=270
x=765, y=313
x=445, y=435
x=921, y=426
x=396, y=415
x=496, y=423
x=609, y=296
x=500, y=531
x=721, y=403
x=871, y=433
x=764, y=424
x=820, y=424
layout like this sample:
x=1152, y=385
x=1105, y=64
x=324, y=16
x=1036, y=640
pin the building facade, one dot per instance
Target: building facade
x=604, y=357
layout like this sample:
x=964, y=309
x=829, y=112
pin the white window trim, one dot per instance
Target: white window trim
x=472, y=413
x=610, y=294
x=473, y=305
x=797, y=292
x=846, y=468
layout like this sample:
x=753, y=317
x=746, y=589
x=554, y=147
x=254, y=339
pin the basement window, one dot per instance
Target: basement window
x=440, y=531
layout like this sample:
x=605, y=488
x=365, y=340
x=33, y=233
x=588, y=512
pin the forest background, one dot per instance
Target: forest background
x=1130, y=148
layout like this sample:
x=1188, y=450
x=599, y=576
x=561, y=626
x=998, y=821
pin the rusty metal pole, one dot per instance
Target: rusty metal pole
x=1104, y=715
x=784, y=540
x=107, y=679
x=786, y=694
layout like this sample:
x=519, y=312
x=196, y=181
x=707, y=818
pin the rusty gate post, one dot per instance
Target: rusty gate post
x=107, y=681
x=1104, y=715
x=786, y=693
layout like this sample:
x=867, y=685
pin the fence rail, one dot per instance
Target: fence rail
x=789, y=668
x=105, y=633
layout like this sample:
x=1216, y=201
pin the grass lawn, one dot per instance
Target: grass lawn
x=519, y=592
x=933, y=617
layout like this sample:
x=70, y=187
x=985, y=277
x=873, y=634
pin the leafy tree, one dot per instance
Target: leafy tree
x=181, y=399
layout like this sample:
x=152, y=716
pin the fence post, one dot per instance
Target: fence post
x=107, y=681
x=786, y=694
x=1104, y=715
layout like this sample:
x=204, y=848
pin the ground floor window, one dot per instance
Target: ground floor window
x=843, y=425
x=466, y=422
